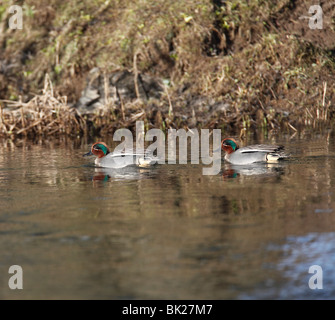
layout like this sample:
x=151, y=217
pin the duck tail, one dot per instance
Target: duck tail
x=275, y=157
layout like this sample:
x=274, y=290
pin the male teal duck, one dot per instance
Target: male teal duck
x=106, y=159
x=251, y=154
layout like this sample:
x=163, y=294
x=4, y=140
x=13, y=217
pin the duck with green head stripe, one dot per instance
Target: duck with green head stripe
x=106, y=159
x=251, y=154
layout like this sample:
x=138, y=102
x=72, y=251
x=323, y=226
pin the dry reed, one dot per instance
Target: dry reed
x=45, y=114
x=50, y=114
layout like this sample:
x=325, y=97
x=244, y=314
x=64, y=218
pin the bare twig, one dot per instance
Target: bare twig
x=325, y=110
x=294, y=129
x=136, y=76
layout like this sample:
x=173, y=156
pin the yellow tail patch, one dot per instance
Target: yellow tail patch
x=144, y=162
x=272, y=158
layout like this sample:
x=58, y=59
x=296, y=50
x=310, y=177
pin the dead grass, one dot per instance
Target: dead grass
x=45, y=114
x=49, y=114
x=244, y=60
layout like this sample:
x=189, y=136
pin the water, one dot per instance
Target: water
x=166, y=232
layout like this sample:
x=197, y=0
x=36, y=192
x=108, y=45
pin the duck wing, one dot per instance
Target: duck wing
x=264, y=148
x=134, y=153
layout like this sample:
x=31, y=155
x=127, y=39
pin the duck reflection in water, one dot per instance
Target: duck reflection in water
x=128, y=173
x=265, y=170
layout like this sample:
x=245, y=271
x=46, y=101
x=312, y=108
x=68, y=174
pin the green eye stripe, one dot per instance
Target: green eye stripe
x=101, y=147
x=232, y=144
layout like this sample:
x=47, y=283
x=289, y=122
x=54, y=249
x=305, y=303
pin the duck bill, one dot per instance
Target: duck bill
x=88, y=154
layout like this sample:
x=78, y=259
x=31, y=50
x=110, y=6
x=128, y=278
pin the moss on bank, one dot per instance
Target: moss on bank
x=227, y=64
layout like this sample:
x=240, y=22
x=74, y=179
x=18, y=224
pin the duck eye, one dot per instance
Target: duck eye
x=100, y=147
x=97, y=147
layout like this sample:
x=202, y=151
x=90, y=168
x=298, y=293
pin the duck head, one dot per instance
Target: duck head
x=98, y=149
x=229, y=145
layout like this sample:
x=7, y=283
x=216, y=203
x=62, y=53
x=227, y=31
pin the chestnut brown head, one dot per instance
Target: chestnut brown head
x=229, y=145
x=98, y=149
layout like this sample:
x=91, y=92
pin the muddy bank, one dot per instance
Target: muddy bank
x=215, y=64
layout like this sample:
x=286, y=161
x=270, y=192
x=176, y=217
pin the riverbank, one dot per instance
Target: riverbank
x=230, y=65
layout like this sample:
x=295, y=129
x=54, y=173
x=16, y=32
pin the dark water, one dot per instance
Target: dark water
x=167, y=232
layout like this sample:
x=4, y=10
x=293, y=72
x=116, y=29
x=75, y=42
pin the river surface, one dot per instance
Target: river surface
x=167, y=232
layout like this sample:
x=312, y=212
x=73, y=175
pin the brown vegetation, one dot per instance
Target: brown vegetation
x=225, y=64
